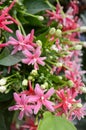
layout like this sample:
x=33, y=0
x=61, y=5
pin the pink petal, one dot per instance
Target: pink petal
x=19, y=36
x=49, y=93
x=48, y=105
x=38, y=90
x=33, y=99
x=17, y=98
x=37, y=107
x=21, y=115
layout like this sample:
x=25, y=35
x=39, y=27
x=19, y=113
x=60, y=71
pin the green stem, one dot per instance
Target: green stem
x=71, y=31
x=62, y=12
x=50, y=5
x=20, y=27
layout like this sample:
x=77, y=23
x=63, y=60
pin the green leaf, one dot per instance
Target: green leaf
x=2, y=122
x=35, y=6
x=6, y=97
x=7, y=59
x=51, y=122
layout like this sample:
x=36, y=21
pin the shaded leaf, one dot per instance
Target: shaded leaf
x=7, y=59
x=2, y=122
x=35, y=6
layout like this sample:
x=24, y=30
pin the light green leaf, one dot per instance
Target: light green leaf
x=51, y=122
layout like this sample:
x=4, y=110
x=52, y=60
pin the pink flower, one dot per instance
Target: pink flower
x=66, y=99
x=23, y=43
x=78, y=112
x=22, y=104
x=67, y=20
x=30, y=123
x=34, y=58
x=41, y=98
x=6, y=19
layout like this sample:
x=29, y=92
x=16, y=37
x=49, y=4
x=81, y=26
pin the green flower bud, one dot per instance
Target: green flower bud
x=25, y=82
x=44, y=86
x=31, y=78
x=83, y=89
x=34, y=72
x=79, y=105
x=39, y=43
x=70, y=83
x=78, y=47
x=60, y=26
x=52, y=31
x=58, y=33
x=59, y=64
x=41, y=18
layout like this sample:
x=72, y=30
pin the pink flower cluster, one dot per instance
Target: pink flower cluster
x=6, y=18
x=60, y=59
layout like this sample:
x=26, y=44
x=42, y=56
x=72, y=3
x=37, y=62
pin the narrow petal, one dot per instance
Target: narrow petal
x=21, y=115
x=19, y=35
x=37, y=107
x=17, y=98
x=49, y=105
x=38, y=90
x=49, y=93
x=33, y=99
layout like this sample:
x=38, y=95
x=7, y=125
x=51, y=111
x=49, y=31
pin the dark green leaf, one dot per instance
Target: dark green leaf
x=2, y=122
x=9, y=60
x=35, y=6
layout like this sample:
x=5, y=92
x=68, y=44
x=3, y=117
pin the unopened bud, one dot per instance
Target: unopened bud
x=79, y=105
x=3, y=81
x=25, y=82
x=44, y=86
x=60, y=26
x=70, y=83
x=78, y=47
x=41, y=18
x=52, y=31
x=31, y=78
x=34, y=72
x=59, y=64
x=83, y=29
x=39, y=43
x=2, y=89
x=83, y=89
x=58, y=33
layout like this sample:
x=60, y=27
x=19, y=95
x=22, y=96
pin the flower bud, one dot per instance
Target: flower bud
x=31, y=78
x=44, y=86
x=2, y=89
x=3, y=81
x=52, y=31
x=39, y=43
x=70, y=83
x=83, y=89
x=78, y=47
x=60, y=26
x=34, y=72
x=59, y=64
x=25, y=82
x=41, y=18
x=58, y=33
x=79, y=105
x=83, y=29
